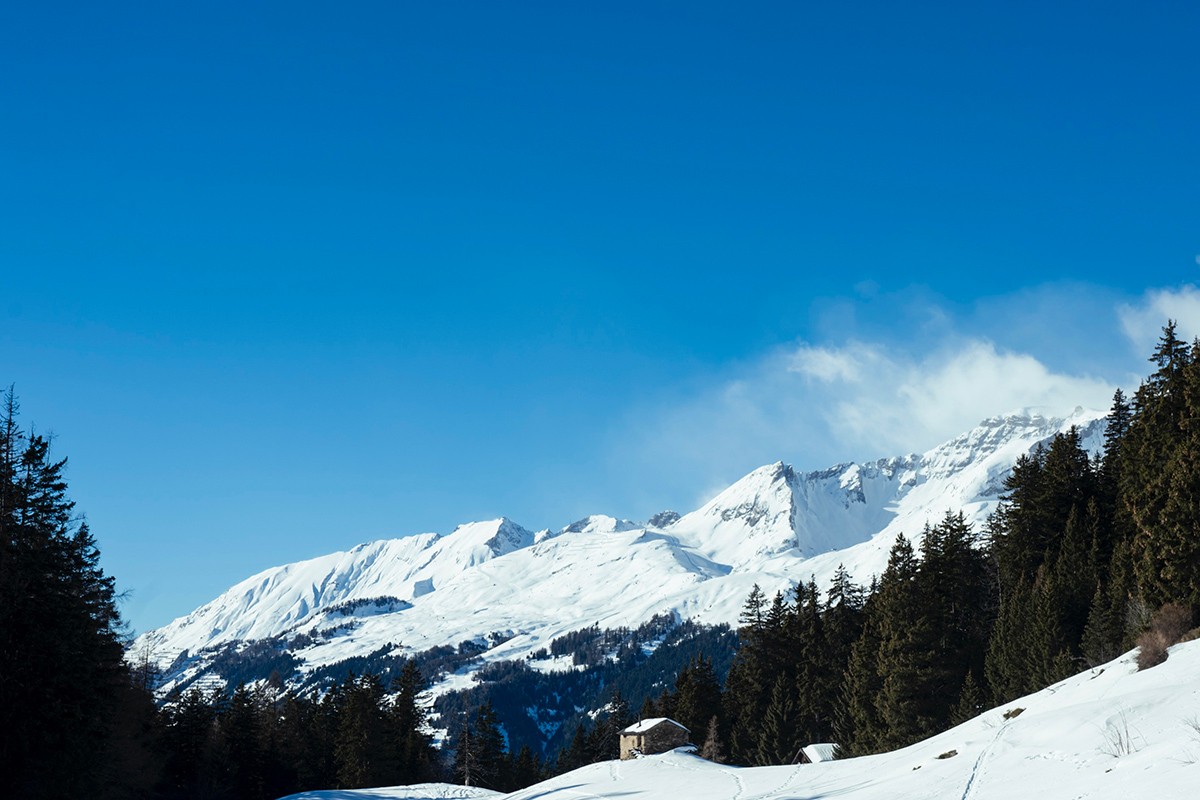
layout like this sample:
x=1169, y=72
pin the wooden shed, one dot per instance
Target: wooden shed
x=657, y=735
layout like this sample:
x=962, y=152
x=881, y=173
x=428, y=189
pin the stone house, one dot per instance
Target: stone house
x=657, y=735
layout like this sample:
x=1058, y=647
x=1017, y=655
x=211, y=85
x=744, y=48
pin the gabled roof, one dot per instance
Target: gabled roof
x=653, y=722
x=820, y=752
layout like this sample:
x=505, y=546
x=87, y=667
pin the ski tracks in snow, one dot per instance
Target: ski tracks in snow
x=741, y=787
x=977, y=767
x=730, y=772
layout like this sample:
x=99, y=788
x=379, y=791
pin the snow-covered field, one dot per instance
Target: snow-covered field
x=1110, y=733
x=418, y=791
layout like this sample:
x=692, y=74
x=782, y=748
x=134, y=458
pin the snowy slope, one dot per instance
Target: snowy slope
x=1110, y=733
x=418, y=791
x=774, y=527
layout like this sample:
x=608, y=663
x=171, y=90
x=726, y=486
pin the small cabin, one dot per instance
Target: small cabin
x=816, y=753
x=649, y=736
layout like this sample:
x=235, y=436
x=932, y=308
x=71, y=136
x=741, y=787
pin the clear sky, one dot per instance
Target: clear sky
x=284, y=277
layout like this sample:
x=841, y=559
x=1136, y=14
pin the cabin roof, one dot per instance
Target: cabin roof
x=817, y=753
x=646, y=724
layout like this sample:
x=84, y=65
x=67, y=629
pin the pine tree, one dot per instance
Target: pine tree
x=815, y=682
x=969, y=703
x=364, y=758
x=857, y=726
x=748, y=684
x=1167, y=547
x=842, y=618
x=777, y=742
x=414, y=756
x=65, y=690
x=525, y=770
x=576, y=753
x=189, y=739
x=649, y=709
x=878, y=699
x=603, y=742
x=697, y=694
x=308, y=732
x=241, y=756
x=1155, y=487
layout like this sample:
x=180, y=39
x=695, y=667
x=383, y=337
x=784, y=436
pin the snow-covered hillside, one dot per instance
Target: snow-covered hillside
x=1110, y=733
x=774, y=527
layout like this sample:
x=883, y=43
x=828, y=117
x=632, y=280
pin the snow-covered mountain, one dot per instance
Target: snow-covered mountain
x=774, y=527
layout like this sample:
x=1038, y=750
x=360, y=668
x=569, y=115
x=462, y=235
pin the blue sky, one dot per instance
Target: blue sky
x=287, y=277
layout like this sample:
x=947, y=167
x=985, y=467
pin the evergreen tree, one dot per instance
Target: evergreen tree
x=866, y=717
x=969, y=703
x=576, y=754
x=65, y=690
x=364, y=758
x=189, y=738
x=525, y=770
x=777, y=742
x=749, y=682
x=241, y=756
x=490, y=750
x=815, y=684
x=414, y=756
x=1154, y=466
x=1167, y=547
x=1009, y=665
x=308, y=733
x=842, y=618
x=697, y=694
x=649, y=709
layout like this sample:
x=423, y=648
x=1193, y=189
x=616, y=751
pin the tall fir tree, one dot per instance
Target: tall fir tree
x=362, y=747
x=66, y=694
x=413, y=755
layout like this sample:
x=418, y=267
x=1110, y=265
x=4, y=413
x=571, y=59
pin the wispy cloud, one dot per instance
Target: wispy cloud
x=1142, y=322
x=815, y=405
x=900, y=402
x=892, y=374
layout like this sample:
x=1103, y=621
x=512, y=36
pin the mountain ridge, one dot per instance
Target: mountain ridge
x=774, y=526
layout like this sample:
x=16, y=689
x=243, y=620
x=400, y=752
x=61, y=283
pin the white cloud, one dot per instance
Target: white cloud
x=911, y=404
x=889, y=374
x=815, y=406
x=827, y=365
x=1142, y=322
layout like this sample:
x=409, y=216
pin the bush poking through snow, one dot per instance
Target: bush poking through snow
x=1167, y=627
x=1118, y=741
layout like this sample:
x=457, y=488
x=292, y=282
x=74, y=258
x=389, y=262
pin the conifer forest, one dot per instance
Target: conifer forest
x=1087, y=556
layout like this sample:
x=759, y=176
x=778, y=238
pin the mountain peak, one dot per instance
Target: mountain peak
x=600, y=523
x=663, y=519
x=498, y=536
x=772, y=526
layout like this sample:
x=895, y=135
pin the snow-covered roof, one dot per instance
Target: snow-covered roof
x=816, y=753
x=647, y=724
